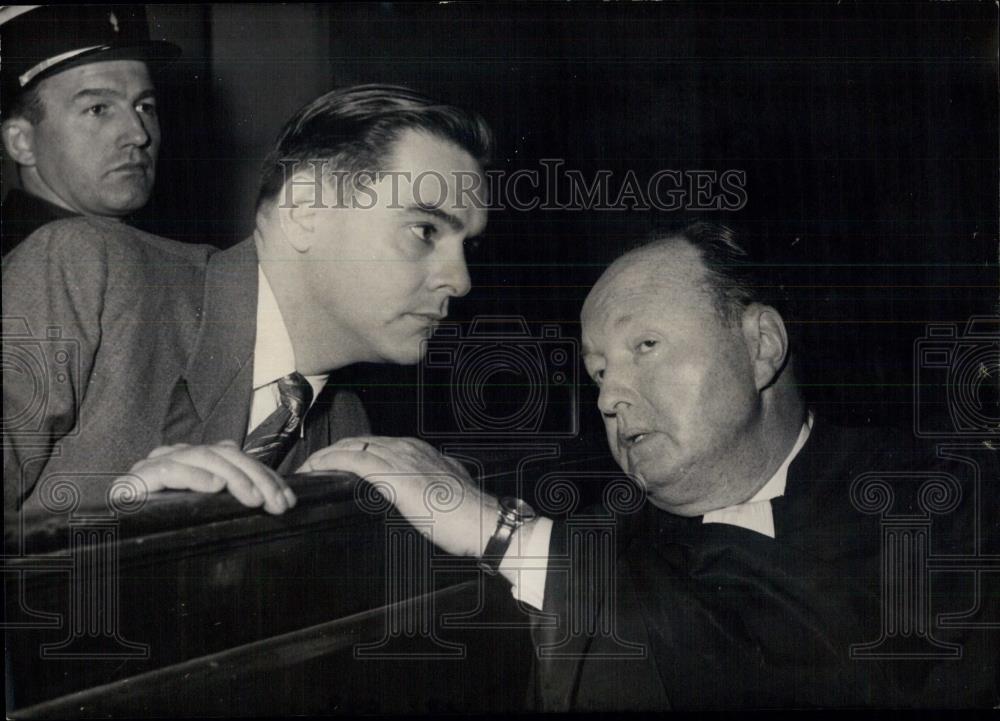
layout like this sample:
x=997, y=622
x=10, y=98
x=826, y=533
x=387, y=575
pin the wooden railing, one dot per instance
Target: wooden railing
x=195, y=605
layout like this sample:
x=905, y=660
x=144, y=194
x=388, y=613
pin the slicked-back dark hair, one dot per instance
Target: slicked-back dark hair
x=353, y=130
x=734, y=277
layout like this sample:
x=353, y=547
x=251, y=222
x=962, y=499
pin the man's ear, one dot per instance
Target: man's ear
x=19, y=140
x=298, y=207
x=767, y=342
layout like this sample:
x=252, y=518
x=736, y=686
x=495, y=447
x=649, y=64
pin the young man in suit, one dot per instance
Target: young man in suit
x=199, y=369
x=79, y=112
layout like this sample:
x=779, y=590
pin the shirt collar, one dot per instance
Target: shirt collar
x=273, y=355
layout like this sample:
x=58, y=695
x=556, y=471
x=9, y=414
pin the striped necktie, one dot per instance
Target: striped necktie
x=274, y=437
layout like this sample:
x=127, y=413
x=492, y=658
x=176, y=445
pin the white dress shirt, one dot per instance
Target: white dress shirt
x=529, y=556
x=273, y=357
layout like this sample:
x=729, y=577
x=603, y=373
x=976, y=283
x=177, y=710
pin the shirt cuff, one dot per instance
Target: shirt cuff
x=526, y=562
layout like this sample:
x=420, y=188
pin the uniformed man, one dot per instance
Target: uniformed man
x=79, y=112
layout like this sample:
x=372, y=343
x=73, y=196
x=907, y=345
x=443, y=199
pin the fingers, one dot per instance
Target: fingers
x=392, y=442
x=333, y=458
x=167, y=473
x=355, y=443
x=278, y=497
x=405, y=451
x=162, y=450
x=364, y=455
x=209, y=469
x=420, y=482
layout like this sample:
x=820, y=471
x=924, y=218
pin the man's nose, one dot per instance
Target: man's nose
x=137, y=129
x=615, y=392
x=452, y=274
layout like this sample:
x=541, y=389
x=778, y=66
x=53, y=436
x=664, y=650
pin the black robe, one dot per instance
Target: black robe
x=692, y=615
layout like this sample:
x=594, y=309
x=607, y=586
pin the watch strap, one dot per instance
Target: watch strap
x=497, y=546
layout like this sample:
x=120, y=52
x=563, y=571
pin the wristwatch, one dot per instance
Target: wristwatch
x=513, y=514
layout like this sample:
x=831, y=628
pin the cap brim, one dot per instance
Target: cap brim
x=156, y=53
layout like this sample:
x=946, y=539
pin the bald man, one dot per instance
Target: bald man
x=750, y=576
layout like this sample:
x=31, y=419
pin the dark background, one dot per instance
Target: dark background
x=868, y=134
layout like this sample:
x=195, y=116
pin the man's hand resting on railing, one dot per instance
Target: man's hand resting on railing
x=428, y=488
x=209, y=469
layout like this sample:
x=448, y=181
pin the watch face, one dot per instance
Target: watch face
x=517, y=508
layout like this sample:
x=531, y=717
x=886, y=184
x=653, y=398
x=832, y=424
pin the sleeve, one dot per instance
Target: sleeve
x=526, y=562
x=53, y=298
x=559, y=654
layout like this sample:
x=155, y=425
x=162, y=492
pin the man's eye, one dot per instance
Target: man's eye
x=598, y=376
x=646, y=345
x=146, y=108
x=425, y=232
x=99, y=109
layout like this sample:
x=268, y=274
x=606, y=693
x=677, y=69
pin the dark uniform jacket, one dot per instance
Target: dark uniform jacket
x=23, y=214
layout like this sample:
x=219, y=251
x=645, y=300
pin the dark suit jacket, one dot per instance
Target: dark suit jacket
x=729, y=618
x=124, y=341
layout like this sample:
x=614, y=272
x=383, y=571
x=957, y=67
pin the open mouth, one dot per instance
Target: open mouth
x=633, y=439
